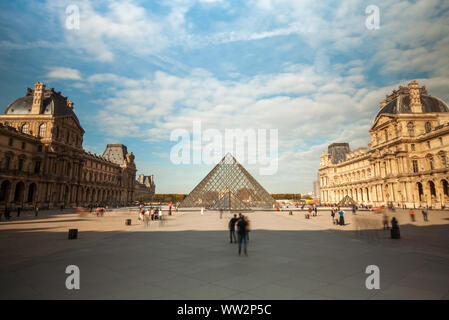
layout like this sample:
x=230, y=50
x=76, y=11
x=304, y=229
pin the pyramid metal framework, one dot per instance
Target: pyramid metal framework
x=229, y=186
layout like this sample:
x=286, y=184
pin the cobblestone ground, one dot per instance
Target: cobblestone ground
x=189, y=256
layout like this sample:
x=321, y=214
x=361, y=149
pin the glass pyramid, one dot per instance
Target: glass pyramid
x=230, y=187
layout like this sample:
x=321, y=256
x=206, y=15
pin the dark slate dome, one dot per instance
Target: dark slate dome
x=399, y=102
x=53, y=103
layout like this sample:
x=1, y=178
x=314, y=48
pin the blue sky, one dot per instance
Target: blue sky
x=137, y=70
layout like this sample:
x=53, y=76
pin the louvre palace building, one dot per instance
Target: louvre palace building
x=406, y=163
x=43, y=163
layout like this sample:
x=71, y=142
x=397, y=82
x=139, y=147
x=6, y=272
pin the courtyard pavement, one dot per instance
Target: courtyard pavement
x=189, y=257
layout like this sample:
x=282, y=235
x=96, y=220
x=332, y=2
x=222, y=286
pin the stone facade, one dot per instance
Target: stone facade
x=406, y=163
x=43, y=163
x=145, y=187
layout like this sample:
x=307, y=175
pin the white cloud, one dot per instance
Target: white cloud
x=63, y=73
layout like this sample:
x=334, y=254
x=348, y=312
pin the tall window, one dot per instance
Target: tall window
x=396, y=131
x=7, y=162
x=428, y=144
x=57, y=132
x=428, y=127
x=411, y=129
x=42, y=130
x=25, y=128
x=67, y=137
x=443, y=161
x=37, y=167
x=412, y=146
x=20, y=164
x=415, y=165
x=431, y=163
x=386, y=135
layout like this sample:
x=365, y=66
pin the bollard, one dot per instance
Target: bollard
x=128, y=222
x=73, y=234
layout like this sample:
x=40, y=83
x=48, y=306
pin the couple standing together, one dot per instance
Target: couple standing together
x=242, y=223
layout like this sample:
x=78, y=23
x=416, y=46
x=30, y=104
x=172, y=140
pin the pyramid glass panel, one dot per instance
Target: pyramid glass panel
x=229, y=186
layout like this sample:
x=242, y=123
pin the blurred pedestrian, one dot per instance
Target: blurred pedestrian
x=385, y=221
x=342, y=219
x=231, y=226
x=424, y=214
x=242, y=230
x=36, y=211
x=411, y=212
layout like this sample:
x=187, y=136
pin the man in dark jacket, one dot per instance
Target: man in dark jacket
x=232, y=228
x=242, y=230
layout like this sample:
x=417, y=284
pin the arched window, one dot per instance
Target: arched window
x=411, y=129
x=428, y=127
x=42, y=130
x=25, y=128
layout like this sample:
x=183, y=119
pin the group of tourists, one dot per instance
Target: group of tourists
x=411, y=212
x=7, y=212
x=340, y=220
x=145, y=215
x=242, y=223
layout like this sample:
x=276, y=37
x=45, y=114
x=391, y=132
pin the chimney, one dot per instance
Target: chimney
x=38, y=98
x=415, y=100
x=70, y=104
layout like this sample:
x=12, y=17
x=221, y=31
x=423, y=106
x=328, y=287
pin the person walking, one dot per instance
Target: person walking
x=36, y=211
x=247, y=227
x=315, y=210
x=333, y=215
x=231, y=226
x=385, y=221
x=424, y=214
x=202, y=211
x=242, y=230
x=411, y=212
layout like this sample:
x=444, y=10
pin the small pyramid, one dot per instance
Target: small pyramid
x=228, y=186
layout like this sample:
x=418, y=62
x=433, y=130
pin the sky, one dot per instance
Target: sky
x=138, y=70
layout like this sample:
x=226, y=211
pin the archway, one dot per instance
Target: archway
x=18, y=193
x=31, y=193
x=5, y=189
x=445, y=187
x=420, y=190
x=433, y=192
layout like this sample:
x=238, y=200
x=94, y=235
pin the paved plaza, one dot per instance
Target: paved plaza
x=189, y=257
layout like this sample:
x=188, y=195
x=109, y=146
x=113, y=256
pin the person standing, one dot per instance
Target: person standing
x=232, y=229
x=202, y=211
x=424, y=214
x=36, y=211
x=385, y=221
x=242, y=230
x=411, y=212
x=342, y=219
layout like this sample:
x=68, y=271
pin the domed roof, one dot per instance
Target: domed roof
x=53, y=103
x=399, y=102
